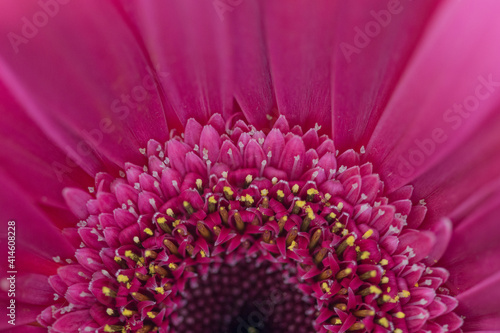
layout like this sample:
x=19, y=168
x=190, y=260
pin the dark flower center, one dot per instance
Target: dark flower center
x=221, y=220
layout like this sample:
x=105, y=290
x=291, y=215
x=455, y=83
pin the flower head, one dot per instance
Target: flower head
x=299, y=181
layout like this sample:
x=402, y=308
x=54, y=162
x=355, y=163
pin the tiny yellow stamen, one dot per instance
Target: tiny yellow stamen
x=249, y=199
x=280, y=193
x=399, y=315
x=211, y=199
x=350, y=240
x=248, y=179
x=110, y=311
x=203, y=254
x=384, y=262
x=148, y=231
x=264, y=192
x=325, y=287
x=127, y=313
x=310, y=213
x=228, y=190
x=161, y=219
x=384, y=322
x=172, y=266
x=160, y=290
x=295, y=188
x=368, y=234
x=176, y=223
x=122, y=278
x=300, y=203
x=170, y=212
x=312, y=191
x=365, y=255
x=294, y=244
x=151, y=315
x=404, y=294
x=398, y=330
x=385, y=279
x=340, y=205
x=199, y=183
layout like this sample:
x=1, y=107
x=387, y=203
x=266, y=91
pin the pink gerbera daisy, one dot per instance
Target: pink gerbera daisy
x=250, y=166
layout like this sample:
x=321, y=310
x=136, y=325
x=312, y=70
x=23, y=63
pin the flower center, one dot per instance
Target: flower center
x=220, y=220
x=244, y=297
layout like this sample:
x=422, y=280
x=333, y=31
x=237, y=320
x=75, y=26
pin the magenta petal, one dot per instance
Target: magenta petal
x=73, y=321
x=406, y=144
x=193, y=67
x=56, y=94
x=76, y=200
x=416, y=244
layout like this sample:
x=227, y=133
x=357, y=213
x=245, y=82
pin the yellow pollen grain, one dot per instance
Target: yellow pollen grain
x=358, y=249
x=170, y=212
x=350, y=240
x=385, y=279
x=161, y=220
x=117, y=258
x=398, y=330
x=203, y=254
x=176, y=223
x=325, y=287
x=127, y=313
x=122, y=278
x=129, y=285
x=160, y=290
x=106, y=291
x=404, y=294
x=332, y=215
x=345, y=232
x=294, y=243
x=128, y=254
x=328, y=196
x=338, y=321
x=375, y=290
x=264, y=192
x=228, y=190
x=395, y=300
x=384, y=322
x=295, y=188
x=280, y=193
x=388, y=289
x=384, y=262
x=312, y=191
x=108, y=328
x=212, y=200
x=151, y=315
x=310, y=213
x=300, y=203
x=136, y=239
x=249, y=198
x=368, y=233
x=110, y=311
x=399, y=315
x=365, y=255
x=199, y=183
x=386, y=298
x=248, y=179
x=172, y=266
x=148, y=231
x=147, y=253
x=416, y=284
x=340, y=205
x=151, y=268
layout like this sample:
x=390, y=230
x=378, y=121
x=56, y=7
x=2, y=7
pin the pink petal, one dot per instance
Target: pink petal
x=407, y=143
x=194, y=70
x=92, y=98
x=301, y=76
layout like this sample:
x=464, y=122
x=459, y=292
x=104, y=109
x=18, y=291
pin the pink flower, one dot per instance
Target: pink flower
x=250, y=166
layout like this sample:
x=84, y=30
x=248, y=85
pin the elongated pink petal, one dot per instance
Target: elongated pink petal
x=194, y=72
x=87, y=106
x=299, y=52
x=480, y=305
x=363, y=76
x=474, y=250
x=427, y=117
